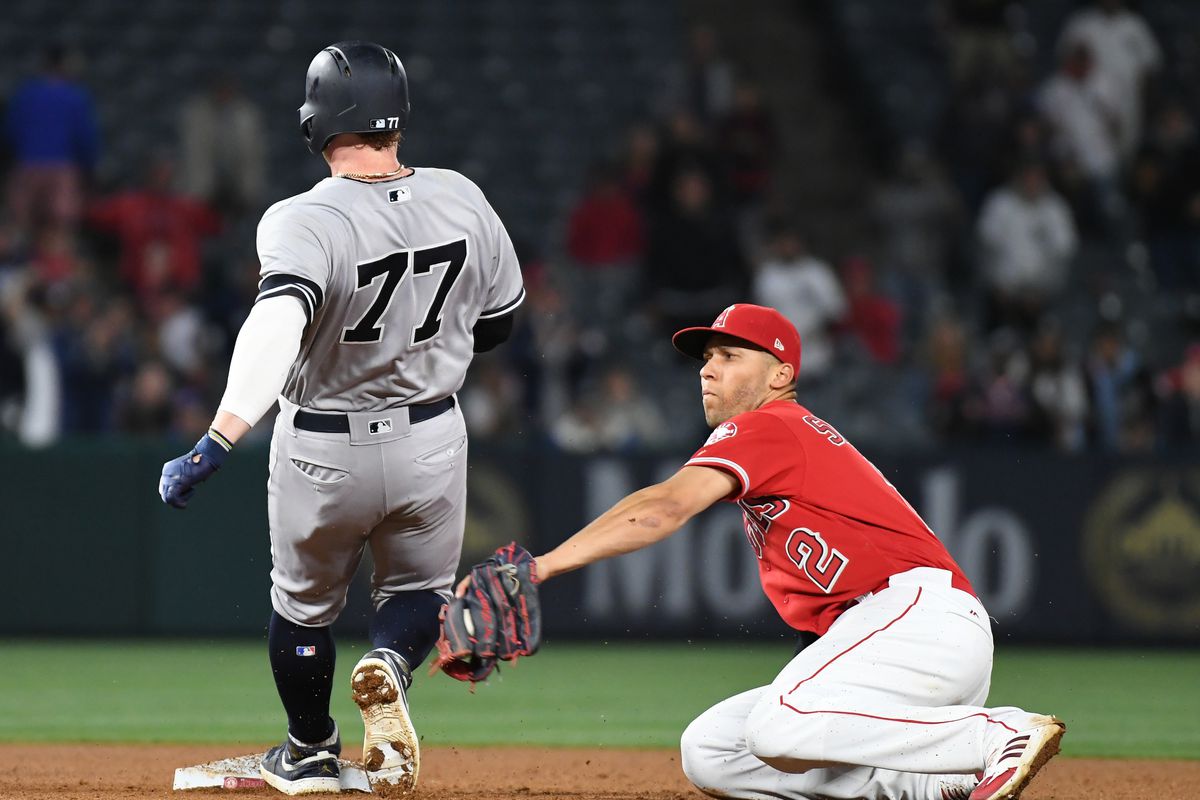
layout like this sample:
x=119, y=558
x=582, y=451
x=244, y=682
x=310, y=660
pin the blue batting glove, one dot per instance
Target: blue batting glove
x=180, y=476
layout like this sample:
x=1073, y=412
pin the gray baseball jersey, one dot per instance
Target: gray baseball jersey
x=393, y=277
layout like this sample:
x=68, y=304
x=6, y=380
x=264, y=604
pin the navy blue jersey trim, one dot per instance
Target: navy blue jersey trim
x=504, y=309
x=291, y=291
x=308, y=292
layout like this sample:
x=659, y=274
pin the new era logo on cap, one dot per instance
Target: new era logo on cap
x=779, y=345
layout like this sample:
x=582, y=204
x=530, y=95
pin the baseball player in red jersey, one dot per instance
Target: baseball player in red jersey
x=887, y=702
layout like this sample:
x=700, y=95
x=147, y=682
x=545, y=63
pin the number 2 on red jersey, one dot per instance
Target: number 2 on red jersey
x=815, y=558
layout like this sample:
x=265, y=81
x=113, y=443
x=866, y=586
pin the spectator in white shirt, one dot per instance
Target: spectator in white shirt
x=1028, y=237
x=806, y=291
x=1080, y=106
x=30, y=378
x=1126, y=53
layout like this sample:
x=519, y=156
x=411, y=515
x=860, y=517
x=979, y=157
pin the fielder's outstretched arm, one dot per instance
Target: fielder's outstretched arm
x=641, y=519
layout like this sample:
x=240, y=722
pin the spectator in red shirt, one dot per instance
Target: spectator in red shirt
x=159, y=232
x=606, y=227
x=871, y=317
x=605, y=240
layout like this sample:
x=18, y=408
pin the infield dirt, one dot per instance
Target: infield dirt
x=133, y=772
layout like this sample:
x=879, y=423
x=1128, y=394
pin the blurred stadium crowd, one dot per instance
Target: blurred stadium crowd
x=1030, y=273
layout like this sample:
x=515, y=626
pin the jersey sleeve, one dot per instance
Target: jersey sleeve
x=507, y=289
x=758, y=451
x=294, y=260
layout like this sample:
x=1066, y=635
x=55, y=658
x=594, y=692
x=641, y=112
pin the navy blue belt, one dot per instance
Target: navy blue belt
x=322, y=422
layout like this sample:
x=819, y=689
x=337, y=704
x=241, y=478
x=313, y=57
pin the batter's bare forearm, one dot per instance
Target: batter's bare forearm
x=231, y=426
x=638, y=521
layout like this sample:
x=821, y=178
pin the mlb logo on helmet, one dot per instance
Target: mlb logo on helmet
x=378, y=124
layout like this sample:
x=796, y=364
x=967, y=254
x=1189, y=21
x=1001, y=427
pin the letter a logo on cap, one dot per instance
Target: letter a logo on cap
x=719, y=322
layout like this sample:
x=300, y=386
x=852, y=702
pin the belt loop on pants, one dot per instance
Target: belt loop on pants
x=325, y=422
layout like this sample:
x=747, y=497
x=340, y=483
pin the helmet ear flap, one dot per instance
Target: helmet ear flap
x=306, y=130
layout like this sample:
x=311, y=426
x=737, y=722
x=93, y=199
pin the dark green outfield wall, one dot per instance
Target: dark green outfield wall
x=1059, y=549
x=89, y=548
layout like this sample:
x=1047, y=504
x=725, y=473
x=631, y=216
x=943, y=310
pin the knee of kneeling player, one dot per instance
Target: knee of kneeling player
x=701, y=759
x=783, y=738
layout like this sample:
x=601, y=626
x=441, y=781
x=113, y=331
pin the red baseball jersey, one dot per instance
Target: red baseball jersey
x=827, y=527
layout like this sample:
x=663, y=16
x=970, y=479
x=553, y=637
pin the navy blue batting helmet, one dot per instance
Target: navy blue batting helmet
x=353, y=87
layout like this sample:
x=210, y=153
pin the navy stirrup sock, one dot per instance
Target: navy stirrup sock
x=302, y=660
x=408, y=624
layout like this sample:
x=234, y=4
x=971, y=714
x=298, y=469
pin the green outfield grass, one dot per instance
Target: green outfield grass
x=1116, y=702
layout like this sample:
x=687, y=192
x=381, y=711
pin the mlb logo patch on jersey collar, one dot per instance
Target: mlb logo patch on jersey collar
x=401, y=194
x=377, y=426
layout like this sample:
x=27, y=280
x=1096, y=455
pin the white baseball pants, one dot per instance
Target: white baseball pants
x=884, y=705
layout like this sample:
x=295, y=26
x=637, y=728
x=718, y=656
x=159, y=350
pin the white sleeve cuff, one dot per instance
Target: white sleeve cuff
x=266, y=348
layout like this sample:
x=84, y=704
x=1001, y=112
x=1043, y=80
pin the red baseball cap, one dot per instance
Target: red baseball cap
x=761, y=326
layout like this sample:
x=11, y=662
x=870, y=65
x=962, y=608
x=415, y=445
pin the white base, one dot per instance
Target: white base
x=242, y=772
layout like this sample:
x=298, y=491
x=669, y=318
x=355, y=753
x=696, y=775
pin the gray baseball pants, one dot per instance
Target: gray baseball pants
x=398, y=487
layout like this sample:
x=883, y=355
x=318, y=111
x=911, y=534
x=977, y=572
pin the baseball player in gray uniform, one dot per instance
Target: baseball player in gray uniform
x=378, y=285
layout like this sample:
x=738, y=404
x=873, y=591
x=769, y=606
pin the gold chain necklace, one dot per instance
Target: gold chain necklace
x=364, y=176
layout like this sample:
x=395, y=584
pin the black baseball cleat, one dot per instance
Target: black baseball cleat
x=294, y=768
x=391, y=751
